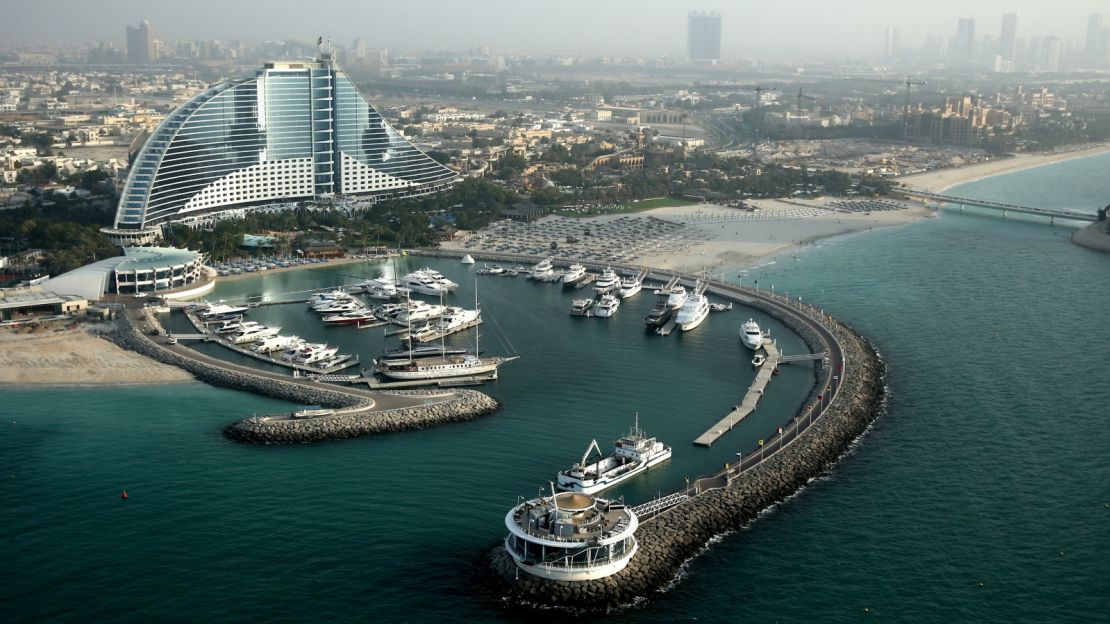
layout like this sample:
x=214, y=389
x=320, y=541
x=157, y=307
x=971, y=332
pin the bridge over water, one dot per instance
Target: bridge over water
x=1051, y=213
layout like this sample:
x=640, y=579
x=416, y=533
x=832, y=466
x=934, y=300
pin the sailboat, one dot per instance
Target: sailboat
x=443, y=366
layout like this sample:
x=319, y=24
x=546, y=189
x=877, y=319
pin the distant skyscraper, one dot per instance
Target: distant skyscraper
x=1008, y=41
x=1096, y=52
x=703, y=37
x=890, y=42
x=963, y=45
x=140, y=43
x=1051, y=53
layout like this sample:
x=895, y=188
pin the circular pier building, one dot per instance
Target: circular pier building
x=571, y=536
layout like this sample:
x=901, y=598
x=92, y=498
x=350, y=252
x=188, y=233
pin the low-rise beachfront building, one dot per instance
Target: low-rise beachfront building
x=571, y=536
x=152, y=270
x=34, y=302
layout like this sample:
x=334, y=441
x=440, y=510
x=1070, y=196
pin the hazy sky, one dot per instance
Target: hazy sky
x=575, y=26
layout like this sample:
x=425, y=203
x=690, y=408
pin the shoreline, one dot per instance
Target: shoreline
x=944, y=179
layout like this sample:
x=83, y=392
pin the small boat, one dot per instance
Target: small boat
x=221, y=312
x=608, y=306
x=468, y=259
x=353, y=317
x=751, y=335
x=720, y=307
x=543, y=269
x=758, y=360
x=632, y=454
x=581, y=307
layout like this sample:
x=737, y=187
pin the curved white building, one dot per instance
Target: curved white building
x=294, y=131
x=571, y=537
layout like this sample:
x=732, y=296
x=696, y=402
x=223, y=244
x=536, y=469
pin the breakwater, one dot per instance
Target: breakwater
x=1095, y=236
x=442, y=408
x=355, y=412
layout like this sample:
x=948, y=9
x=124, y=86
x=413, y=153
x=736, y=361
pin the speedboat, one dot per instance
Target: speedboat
x=629, y=287
x=632, y=454
x=468, y=259
x=542, y=269
x=693, y=312
x=608, y=280
x=758, y=360
x=676, y=297
x=751, y=335
x=574, y=273
x=581, y=307
x=607, y=306
x=658, y=316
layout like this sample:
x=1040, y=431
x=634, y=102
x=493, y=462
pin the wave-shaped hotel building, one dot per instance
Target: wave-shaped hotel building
x=294, y=131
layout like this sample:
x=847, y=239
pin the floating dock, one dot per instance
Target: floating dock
x=751, y=398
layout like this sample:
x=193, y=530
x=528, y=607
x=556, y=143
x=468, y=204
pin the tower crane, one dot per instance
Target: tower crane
x=759, y=89
x=910, y=83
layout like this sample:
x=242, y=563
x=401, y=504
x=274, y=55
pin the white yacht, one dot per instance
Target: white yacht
x=419, y=311
x=607, y=306
x=581, y=307
x=456, y=319
x=608, y=280
x=676, y=297
x=219, y=311
x=278, y=343
x=382, y=288
x=329, y=297
x=468, y=259
x=751, y=335
x=311, y=353
x=441, y=367
x=574, y=273
x=337, y=307
x=630, y=286
x=693, y=312
x=542, y=269
x=632, y=454
x=254, y=335
x=428, y=282
x=354, y=317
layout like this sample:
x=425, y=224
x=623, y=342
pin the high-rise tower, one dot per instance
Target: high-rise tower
x=703, y=37
x=140, y=43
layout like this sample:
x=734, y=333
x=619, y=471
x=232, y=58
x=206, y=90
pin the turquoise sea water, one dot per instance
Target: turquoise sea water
x=988, y=467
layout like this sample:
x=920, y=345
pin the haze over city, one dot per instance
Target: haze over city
x=653, y=27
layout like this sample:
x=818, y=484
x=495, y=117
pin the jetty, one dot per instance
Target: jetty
x=751, y=398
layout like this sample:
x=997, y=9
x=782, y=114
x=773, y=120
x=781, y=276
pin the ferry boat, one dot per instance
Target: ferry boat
x=542, y=269
x=693, y=312
x=676, y=297
x=607, y=281
x=468, y=259
x=658, y=316
x=630, y=287
x=632, y=454
x=607, y=306
x=574, y=273
x=751, y=335
x=581, y=307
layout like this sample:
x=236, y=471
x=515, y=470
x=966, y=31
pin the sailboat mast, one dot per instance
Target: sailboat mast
x=477, y=328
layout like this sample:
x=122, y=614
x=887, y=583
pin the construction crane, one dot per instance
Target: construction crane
x=910, y=83
x=802, y=96
x=759, y=89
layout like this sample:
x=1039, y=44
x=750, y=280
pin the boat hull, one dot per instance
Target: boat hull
x=604, y=484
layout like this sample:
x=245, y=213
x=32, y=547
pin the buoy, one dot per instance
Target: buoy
x=866, y=610
x=123, y=495
x=980, y=583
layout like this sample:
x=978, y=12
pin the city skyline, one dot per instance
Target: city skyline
x=801, y=26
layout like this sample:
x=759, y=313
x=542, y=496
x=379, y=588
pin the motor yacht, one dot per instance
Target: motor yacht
x=676, y=297
x=581, y=307
x=354, y=317
x=607, y=306
x=693, y=312
x=607, y=281
x=256, y=334
x=658, y=316
x=542, y=269
x=751, y=335
x=630, y=286
x=574, y=273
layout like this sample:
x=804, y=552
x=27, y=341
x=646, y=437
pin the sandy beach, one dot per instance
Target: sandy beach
x=938, y=181
x=75, y=357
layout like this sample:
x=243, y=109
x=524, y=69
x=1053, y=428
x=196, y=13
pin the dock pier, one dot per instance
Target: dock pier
x=748, y=404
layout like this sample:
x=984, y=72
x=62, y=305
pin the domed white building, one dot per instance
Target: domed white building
x=571, y=536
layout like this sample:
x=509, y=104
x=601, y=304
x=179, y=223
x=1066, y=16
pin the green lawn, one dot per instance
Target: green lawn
x=640, y=206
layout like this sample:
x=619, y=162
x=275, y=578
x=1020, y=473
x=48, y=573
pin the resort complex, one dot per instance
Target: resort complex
x=295, y=131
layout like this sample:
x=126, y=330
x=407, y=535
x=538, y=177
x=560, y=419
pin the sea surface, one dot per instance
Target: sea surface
x=982, y=494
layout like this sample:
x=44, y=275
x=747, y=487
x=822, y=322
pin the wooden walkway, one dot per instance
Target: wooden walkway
x=751, y=399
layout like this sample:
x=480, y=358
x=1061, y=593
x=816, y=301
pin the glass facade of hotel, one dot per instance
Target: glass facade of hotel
x=294, y=131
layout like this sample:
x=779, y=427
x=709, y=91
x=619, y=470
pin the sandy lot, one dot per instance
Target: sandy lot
x=76, y=357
